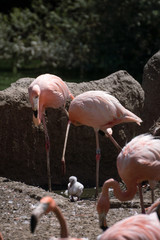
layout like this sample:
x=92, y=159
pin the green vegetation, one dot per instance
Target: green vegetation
x=86, y=39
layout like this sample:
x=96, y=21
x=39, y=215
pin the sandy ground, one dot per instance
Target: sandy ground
x=17, y=201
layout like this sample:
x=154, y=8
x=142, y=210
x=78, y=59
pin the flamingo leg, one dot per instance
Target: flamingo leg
x=152, y=185
x=141, y=198
x=47, y=146
x=66, y=112
x=98, y=156
x=113, y=141
x=64, y=150
x=152, y=195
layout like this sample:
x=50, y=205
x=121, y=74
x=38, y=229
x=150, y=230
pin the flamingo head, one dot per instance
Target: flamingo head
x=103, y=206
x=72, y=179
x=46, y=205
x=34, y=94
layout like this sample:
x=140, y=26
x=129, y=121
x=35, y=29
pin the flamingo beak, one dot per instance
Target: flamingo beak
x=37, y=214
x=102, y=221
x=35, y=108
x=35, y=113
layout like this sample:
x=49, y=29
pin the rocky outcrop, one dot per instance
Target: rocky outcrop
x=23, y=155
x=151, y=87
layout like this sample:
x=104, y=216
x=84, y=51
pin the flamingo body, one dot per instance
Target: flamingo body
x=99, y=110
x=143, y=154
x=75, y=189
x=138, y=161
x=139, y=227
x=47, y=204
x=47, y=91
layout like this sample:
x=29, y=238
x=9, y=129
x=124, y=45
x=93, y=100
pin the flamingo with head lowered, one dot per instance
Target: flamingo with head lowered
x=47, y=204
x=138, y=161
x=47, y=91
x=137, y=227
x=101, y=111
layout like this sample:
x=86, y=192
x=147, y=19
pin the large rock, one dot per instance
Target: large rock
x=151, y=86
x=23, y=155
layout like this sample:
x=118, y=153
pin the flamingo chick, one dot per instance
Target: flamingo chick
x=138, y=161
x=101, y=111
x=137, y=227
x=75, y=189
x=47, y=204
x=47, y=91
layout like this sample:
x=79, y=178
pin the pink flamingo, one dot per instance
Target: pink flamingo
x=137, y=227
x=138, y=161
x=1, y=238
x=47, y=204
x=153, y=207
x=101, y=111
x=47, y=91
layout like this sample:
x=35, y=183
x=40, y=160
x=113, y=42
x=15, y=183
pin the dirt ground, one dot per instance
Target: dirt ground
x=17, y=201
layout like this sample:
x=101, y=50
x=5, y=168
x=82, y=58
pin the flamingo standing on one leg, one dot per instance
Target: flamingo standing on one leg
x=47, y=91
x=101, y=111
x=137, y=227
x=47, y=204
x=138, y=161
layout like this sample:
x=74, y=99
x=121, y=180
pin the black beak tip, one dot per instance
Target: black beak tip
x=35, y=113
x=104, y=228
x=101, y=133
x=33, y=223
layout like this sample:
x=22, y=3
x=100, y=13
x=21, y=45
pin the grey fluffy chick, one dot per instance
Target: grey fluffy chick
x=75, y=189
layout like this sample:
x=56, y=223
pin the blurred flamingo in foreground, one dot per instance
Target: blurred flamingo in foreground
x=153, y=207
x=137, y=227
x=138, y=161
x=1, y=238
x=47, y=204
x=101, y=111
x=47, y=91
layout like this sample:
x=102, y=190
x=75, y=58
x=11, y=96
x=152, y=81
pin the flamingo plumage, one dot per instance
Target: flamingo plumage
x=1, y=238
x=75, y=188
x=47, y=204
x=153, y=207
x=137, y=227
x=47, y=91
x=138, y=161
x=101, y=111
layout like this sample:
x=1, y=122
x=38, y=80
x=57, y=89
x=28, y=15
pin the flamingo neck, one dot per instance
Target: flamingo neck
x=119, y=194
x=60, y=217
x=1, y=238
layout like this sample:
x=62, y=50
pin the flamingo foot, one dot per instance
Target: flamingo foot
x=72, y=199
